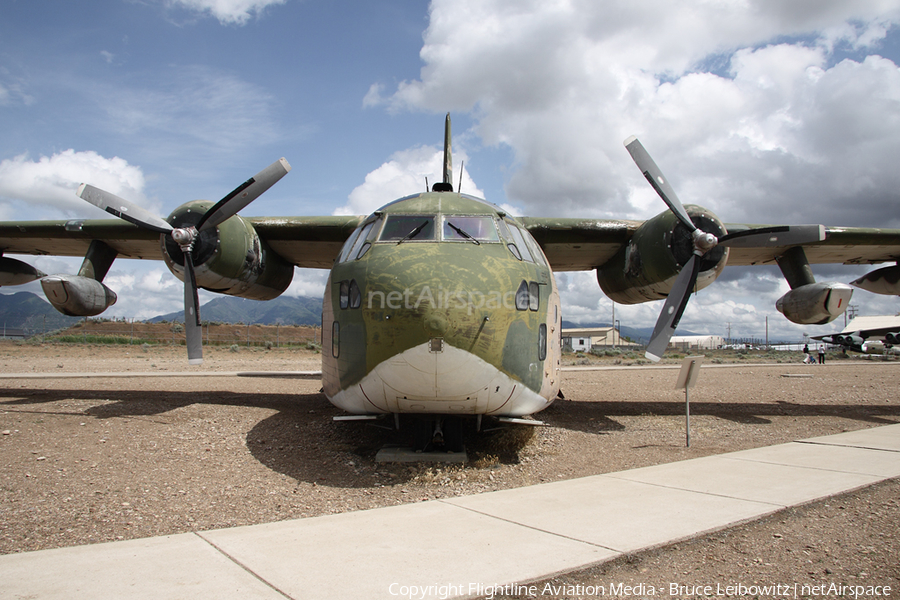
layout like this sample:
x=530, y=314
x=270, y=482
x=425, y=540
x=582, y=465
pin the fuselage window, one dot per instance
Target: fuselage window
x=534, y=295
x=402, y=228
x=480, y=229
x=542, y=341
x=345, y=294
x=335, y=339
x=522, y=300
x=508, y=239
x=355, y=294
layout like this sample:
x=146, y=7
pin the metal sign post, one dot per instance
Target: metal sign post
x=687, y=377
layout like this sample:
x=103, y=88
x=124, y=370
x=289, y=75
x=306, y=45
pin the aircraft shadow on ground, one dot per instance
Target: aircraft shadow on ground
x=300, y=439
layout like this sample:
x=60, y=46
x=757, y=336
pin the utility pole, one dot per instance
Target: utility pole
x=852, y=312
x=614, y=323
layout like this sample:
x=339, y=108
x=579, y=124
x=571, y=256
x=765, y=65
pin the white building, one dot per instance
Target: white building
x=696, y=342
x=583, y=339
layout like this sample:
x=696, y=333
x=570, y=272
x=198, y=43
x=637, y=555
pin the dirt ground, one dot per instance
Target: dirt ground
x=92, y=460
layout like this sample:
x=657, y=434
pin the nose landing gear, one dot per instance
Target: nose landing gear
x=438, y=434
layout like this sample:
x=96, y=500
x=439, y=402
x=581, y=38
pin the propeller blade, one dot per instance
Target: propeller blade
x=764, y=237
x=122, y=208
x=657, y=180
x=192, y=329
x=673, y=309
x=244, y=194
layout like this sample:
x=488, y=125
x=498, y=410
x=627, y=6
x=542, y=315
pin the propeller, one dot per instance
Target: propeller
x=186, y=237
x=703, y=242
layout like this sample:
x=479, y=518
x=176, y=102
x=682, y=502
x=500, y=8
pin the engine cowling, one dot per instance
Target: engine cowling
x=77, y=296
x=228, y=259
x=848, y=339
x=646, y=267
x=815, y=303
x=881, y=281
x=16, y=272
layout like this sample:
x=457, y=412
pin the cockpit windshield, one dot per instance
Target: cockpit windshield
x=471, y=228
x=401, y=228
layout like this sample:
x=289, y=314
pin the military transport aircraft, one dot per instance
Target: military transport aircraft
x=439, y=303
x=867, y=335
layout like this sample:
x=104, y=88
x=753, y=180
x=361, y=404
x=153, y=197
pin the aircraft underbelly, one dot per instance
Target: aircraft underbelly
x=448, y=380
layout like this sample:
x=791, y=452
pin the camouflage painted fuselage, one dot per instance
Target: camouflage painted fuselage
x=440, y=304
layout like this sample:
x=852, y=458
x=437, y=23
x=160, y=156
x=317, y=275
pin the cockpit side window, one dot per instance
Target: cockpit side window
x=369, y=238
x=360, y=240
x=469, y=228
x=535, y=248
x=403, y=228
x=520, y=243
x=349, y=244
x=508, y=239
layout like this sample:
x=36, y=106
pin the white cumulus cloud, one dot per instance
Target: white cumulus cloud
x=228, y=12
x=762, y=110
x=51, y=181
x=743, y=104
x=403, y=174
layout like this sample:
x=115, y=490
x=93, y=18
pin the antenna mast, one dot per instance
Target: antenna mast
x=448, y=154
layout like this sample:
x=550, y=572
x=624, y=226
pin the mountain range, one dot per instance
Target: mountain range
x=284, y=310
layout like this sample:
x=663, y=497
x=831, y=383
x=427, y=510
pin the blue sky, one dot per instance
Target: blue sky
x=762, y=111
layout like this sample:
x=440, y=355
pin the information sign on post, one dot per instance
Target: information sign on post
x=687, y=377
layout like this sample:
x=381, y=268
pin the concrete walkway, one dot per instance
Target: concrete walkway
x=448, y=548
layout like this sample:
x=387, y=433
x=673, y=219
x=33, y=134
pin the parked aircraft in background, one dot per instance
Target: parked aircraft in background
x=440, y=304
x=868, y=335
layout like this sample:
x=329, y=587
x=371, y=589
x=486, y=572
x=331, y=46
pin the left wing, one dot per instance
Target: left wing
x=308, y=242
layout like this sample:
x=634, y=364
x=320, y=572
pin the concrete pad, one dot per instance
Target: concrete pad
x=447, y=548
x=614, y=513
x=726, y=477
x=362, y=554
x=878, y=438
x=843, y=459
x=178, y=566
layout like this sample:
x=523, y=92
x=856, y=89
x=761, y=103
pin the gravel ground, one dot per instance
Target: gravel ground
x=92, y=460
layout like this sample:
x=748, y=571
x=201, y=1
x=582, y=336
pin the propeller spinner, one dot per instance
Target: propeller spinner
x=678, y=297
x=186, y=237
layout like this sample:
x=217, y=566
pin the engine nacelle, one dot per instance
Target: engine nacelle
x=876, y=347
x=646, y=268
x=228, y=259
x=892, y=338
x=77, y=296
x=16, y=272
x=848, y=339
x=815, y=303
x=881, y=281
